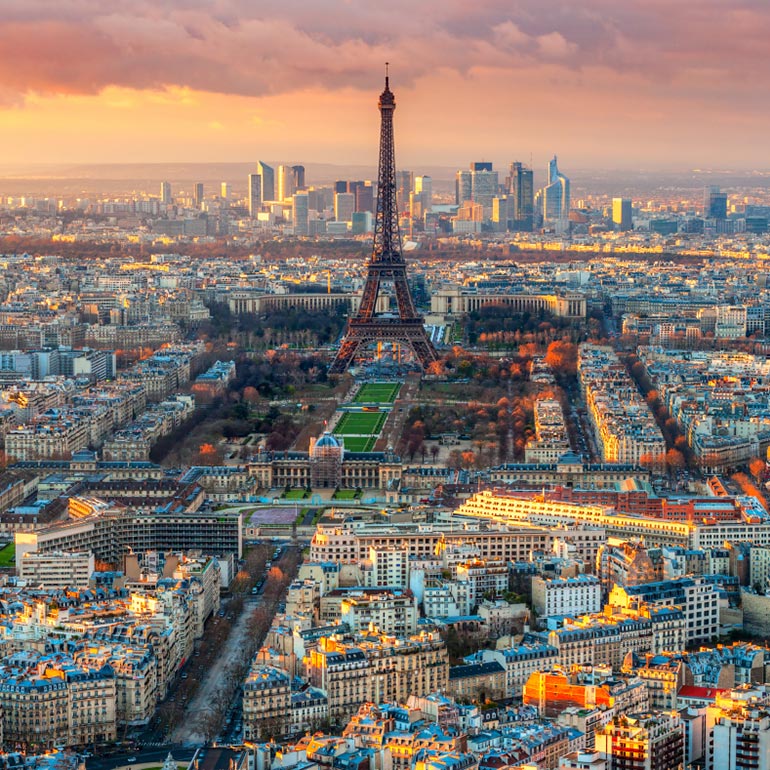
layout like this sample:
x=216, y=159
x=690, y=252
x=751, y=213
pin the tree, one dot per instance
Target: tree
x=455, y=459
x=562, y=357
x=208, y=454
x=675, y=460
x=757, y=467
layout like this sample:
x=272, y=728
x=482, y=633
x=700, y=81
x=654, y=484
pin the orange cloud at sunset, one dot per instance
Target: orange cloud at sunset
x=637, y=83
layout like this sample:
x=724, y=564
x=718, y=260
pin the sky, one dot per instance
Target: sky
x=607, y=84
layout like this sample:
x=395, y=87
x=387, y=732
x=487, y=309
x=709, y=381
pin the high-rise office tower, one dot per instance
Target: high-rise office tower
x=416, y=208
x=298, y=175
x=621, y=214
x=344, y=204
x=224, y=191
x=484, y=185
x=463, y=187
x=501, y=213
x=255, y=195
x=198, y=194
x=165, y=192
x=404, y=186
x=268, y=181
x=714, y=204
x=365, y=197
x=340, y=186
x=555, y=196
x=521, y=192
x=423, y=186
x=300, y=213
x=285, y=178
x=353, y=187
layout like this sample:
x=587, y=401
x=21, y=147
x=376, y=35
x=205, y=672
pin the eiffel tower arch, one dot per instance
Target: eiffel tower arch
x=386, y=265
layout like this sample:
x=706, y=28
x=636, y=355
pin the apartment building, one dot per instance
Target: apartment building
x=378, y=668
x=267, y=703
x=572, y=596
x=56, y=569
x=643, y=742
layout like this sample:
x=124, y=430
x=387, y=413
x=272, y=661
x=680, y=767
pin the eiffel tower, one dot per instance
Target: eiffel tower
x=385, y=265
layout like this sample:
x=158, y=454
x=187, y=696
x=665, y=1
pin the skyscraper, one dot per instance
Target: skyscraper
x=521, y=191
x=621, y=214
x=300, y=213
x=555, y=196
x=285, y=180
x=501, y=213
x=224, y=191
x=423, y=186
x=298, y=175
x=198, y=194
x=404, y=186
x=463, y=187
x=365, y=197
x=267, y=175
x=165, y=192
x=484, y=185
x=344, y=204
x=714, y=203
x=255, y=195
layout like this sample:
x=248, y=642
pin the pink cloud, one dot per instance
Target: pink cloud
x=280, y=46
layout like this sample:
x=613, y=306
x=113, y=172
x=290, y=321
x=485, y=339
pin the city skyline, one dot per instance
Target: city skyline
x=642, y=85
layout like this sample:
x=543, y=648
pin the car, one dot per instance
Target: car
x=131, y=759
x=184, y=676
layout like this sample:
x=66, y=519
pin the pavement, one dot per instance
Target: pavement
x=193, y=729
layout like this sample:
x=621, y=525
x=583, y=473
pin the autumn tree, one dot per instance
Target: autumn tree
x=562, y=357
x=757, y=467
x=208, y=454
x=675, y=460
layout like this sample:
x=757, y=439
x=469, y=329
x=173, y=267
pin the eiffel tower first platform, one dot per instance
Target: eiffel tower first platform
x=386, y=266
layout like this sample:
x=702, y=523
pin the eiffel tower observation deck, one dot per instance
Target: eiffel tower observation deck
x=386, y=266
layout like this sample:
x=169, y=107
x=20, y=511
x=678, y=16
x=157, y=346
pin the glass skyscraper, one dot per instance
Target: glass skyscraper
x=555, y=195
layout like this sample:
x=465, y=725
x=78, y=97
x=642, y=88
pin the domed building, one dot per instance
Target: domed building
x=326, y=455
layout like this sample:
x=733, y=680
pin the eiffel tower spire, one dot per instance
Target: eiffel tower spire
x=385, y=265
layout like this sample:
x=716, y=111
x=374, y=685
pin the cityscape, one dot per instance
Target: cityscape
x=348, y=464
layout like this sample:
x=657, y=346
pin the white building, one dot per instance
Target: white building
x=698, y=600
x=571, y=596
x=57, y=569
x=741, y=732
x=387, y=566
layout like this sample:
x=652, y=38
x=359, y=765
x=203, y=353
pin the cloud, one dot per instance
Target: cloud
x=263, y=47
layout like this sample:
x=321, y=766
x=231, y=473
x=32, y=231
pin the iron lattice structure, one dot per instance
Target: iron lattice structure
x=386, y=265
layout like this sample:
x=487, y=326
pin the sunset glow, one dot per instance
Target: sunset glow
x=611, y=84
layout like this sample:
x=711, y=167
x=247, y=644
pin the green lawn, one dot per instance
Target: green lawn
x=345, y=494
x=360, y=424
x=295, y=494
x=8, y=555
x=377, y=393
x=359, y=443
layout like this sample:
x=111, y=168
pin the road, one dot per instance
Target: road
x=195, y=728
x=183, y=756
